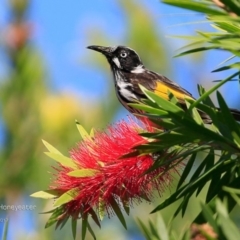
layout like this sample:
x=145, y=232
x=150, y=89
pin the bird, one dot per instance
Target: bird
x=129, y=72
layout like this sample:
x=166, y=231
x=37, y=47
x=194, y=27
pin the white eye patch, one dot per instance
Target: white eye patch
x=116, y=61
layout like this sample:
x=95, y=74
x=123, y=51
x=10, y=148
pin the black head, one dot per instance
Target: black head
x=122, y=58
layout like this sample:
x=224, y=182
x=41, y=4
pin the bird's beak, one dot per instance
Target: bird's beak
x=104, y=50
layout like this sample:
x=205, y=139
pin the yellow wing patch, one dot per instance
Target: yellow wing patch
x=162, y=91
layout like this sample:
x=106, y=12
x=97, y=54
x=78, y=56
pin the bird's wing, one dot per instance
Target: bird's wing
x=158, y=84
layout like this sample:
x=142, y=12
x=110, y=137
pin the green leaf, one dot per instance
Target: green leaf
x=94, y=217
x=200, y=49
x=148, y=109
x=126, y=206
x=50, y=148
x=230, y=231
x=162, y=228
x=209, y=163
x=228, y=117
x=207, y=100
x=166, y=105
x=84, y=226
x=206, y=94
x=144, y=229
x=47, y=194
x=208, y=214
x=87, y=172
x=61, y=222
x=195, y=6
x=186, y=170
x=183, y=206
x=194, y=113
x=74, y=228
x=65, y=161
x=84, y=134
x=54, y=217
x=118, y=212
x=91, y=231
x=231, y=190
x=191, y=187
x=66, y=197
x=231, y=66
x=153, y=230
x=101, y=208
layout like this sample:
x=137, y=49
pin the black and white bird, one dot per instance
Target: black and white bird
x=129, y=72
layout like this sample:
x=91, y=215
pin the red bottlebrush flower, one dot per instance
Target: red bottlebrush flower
x=101, y=179
x=97, y=179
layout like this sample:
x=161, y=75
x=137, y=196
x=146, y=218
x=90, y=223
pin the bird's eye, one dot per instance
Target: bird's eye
x=123, y=54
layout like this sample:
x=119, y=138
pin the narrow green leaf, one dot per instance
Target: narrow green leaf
x=126, y=206
x=50, y=148
x=214, y=186
x=228, y=117
x=144, y=229
x=87, y=172
x=226, y=60
x=118, y=212
x=183, y=206
x=84, y=226
x=213, y=89
x=209, y=160
x=195, y=6
x=194, y=113
x=84, y=134
x=91, y=231
x=207, y=100
x=51, y=211
x=186, y=170
x=94, y=217
x=200, y=49
x=229, y=229
x=61, y=222
x=65, y=161
x=153, y=230
x=66, y=197
x=187, y=235
x=234, y=65
x=148, y=109
x=163, y=103
x=200, y=168
x=203, y=178
x=208, y=214
x=162, y=228
x=47, y=194
x=74, y=228
x=101, y=209
x=191, y=187
x=54, y=217
x=231, y=190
